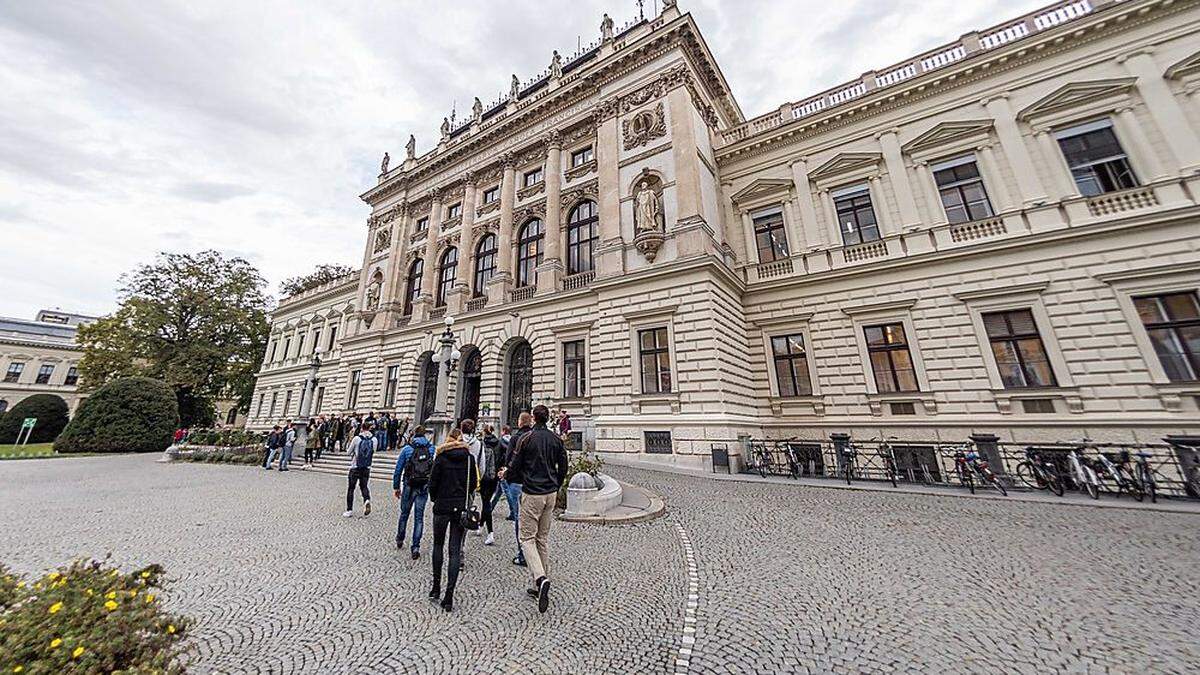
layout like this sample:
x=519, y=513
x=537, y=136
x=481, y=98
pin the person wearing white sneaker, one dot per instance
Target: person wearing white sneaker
x=488, y=460
x=362, y=451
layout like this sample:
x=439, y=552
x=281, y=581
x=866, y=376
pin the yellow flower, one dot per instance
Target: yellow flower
x=52, y=576
x=55, y=643
x=55, y=607
x=171, y=628
x=90, y=592
x=19, y=669
x=145, y=575
x=149, y=598
x=110, y=595
x=77, y=653
x=133, y=594
x=20, y=584
x=110, y=605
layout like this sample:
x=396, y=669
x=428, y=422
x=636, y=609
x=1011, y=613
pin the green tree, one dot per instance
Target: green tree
x=323, y=274
x=197, y=322
x=49, y=410
x=131, y=414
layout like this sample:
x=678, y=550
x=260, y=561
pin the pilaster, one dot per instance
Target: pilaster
x=610, y=254
x=549, y=273
x=901, y=185
x=1030, y=188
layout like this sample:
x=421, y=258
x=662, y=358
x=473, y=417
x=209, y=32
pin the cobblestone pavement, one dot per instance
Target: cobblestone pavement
x=790, y=579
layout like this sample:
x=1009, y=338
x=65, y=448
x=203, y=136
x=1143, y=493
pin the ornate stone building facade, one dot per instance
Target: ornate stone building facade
x=999, y=235
x=40, y=357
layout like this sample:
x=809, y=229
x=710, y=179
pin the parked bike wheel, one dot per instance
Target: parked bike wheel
x=1135, y=490
x=849, y=471
x=762, y=467
x=1056, y=485
x=892, y=475
x=1092, y=489
x=966, y=480
x=1029, y=475
x=995, y=482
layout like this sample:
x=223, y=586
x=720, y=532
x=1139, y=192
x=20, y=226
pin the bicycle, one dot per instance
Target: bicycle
x=969, y=464
x=1083, y=475
x=848, y=455
x=889, y=460
x=760, y=459
x=1038, y=473
x=793, y=458
x=1144, y=476
x=1118, y=472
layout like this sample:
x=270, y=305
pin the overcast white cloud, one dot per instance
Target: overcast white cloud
x=129, y=127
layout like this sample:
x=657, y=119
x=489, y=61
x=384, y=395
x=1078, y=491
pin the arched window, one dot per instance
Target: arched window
x=447, y=272
x=529, y=252
x=519, y=382
x=414, y=285
x=427, y=387
x=582, y=234
x=485, y=263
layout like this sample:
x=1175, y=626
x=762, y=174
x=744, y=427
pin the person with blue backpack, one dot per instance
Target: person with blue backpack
x=362, y=451
x=413, y=467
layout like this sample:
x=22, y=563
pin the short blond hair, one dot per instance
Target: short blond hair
x=524, y=420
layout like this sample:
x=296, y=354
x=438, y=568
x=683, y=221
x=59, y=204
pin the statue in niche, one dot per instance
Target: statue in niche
x=410, y=148
x=647, y=205
x=606, y=28
x=477, y=109
x=383, y=166
x=556, y=66
x=373, y=292
x=515, y=89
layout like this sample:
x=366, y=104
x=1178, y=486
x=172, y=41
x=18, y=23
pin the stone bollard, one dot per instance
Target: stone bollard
x=581, y=493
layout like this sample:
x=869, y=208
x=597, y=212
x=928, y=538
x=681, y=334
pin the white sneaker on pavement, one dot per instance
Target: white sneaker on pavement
x=348, y=514
x=491, y=539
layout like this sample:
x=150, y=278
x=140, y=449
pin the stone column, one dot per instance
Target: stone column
x=751, y=240
x=937, y=214
x=1030, y=188
x=879, y=203
x=610, y=253
x=501, y=281
x=989, y=168
x=1164, y=108
x=813, y=235
x=1137, y=146
x=430, y=272
x=466, y=249
x=893, y=158
x=831, y=221
x=1062, y=185
x=551, y=270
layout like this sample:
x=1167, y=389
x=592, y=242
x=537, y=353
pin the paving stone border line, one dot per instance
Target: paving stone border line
x=684, y=661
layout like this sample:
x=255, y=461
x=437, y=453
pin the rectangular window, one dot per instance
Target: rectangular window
x=389, y=392
x=454, y=211
x=287, y=402
x=316, y=340
x=855, y=214
x=262, y=401
x=891, y=361
x=332, y=336
x=287, y=348
x=422, y=224
x=320, y=398
x=491, y=194
x=961, y=188
x=1038, y=406
x=1097, y=162
x=1173, y=322
x=1018, y=349
x=271, y=358
x=14, y=372
x=72, y=376
x=44, y=373
x=574, y=369
x=658, y=442
x=274, y=400
x=903, y=408
x=533, y=177
x=355, y=382
x=655, y=359
x=791, y=365
x=769, y=235
x=581, y=157
x=300, y=345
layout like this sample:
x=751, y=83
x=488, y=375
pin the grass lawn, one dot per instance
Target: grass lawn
x=27, y=451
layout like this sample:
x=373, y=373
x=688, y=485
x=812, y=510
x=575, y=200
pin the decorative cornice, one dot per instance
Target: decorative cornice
x=1032, y=288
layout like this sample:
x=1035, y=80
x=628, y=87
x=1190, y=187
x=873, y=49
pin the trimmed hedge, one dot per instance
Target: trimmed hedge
x=135, y=414
x=51, y=413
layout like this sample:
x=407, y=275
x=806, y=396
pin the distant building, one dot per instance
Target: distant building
x=40, y=357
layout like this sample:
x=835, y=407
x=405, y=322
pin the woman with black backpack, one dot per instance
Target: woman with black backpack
x=489, y=461
x=452, y=485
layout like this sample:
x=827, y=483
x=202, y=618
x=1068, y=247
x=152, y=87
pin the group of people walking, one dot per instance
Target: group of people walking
x=331, y=434
x=526, y=466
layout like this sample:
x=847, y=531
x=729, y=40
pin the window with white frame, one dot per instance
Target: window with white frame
x=1097, y=162
x=574, y=369
x=14, y=372
x=1018, y=349
x=533, y=177
x=791, y=365
x=274, y=401
x=654, y=355
x=961, y=189
x=582, y=156
x=45, y=372
x=1172, y=320
x=72, y=376
x=287, y=402
x=770, y=235
x=389, y=391
x=855, y=214
x=454, y=210
x=355, y=383
x=491, y=194
x=422, y=224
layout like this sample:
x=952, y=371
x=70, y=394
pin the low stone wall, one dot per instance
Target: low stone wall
x=590, y=500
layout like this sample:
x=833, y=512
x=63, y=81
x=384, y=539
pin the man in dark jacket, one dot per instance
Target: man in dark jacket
x=274, y=442
x=451, y=484
x=410, y=484
x=362, y=451
x=539, y=464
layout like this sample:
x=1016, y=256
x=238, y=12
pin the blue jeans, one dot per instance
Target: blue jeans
x=380, y=441
x=409, y=498
x=271, y=457
x=501, y=491
x=285, y=458
x=512, y=491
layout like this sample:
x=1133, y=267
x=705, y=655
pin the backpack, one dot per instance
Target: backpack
x=488, y=453
x=420, y=465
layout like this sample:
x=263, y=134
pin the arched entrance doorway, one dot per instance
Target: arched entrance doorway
x=518, y=381
x=426, y=387
x=470, y=377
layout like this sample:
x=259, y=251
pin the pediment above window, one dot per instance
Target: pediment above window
x=1188, y=67
x=763, y=188
x=846, y=164
x=1079, y=97
x=949, y=137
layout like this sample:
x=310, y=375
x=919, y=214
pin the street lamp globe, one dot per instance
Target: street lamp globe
x=449, y=321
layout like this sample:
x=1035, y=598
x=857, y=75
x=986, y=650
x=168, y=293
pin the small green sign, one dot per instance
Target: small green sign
x=28, y=423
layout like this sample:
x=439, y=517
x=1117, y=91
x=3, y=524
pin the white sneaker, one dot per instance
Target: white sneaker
x=348, y=514
x=491, y=539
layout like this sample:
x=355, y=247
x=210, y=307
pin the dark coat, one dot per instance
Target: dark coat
x=449, y=481
x=538, y=462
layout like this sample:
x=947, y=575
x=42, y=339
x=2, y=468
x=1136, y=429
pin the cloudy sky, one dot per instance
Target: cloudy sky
x=132, y=127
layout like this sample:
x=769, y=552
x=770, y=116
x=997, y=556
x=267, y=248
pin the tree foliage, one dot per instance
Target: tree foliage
x=323, y=274
x=135, y=414
x=50, y=411
x=197, y=322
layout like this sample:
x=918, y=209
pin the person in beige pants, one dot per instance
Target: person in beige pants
x=539, y=464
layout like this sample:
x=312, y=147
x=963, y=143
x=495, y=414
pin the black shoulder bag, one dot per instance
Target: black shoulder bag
x=469, y=517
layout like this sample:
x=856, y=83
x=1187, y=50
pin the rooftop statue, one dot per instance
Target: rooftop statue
x=410, y=148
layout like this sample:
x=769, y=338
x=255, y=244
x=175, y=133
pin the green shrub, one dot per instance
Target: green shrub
x=226, y=438
x=135, y=414
x=220, y=455
x=87, y=618
x=50, y=411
